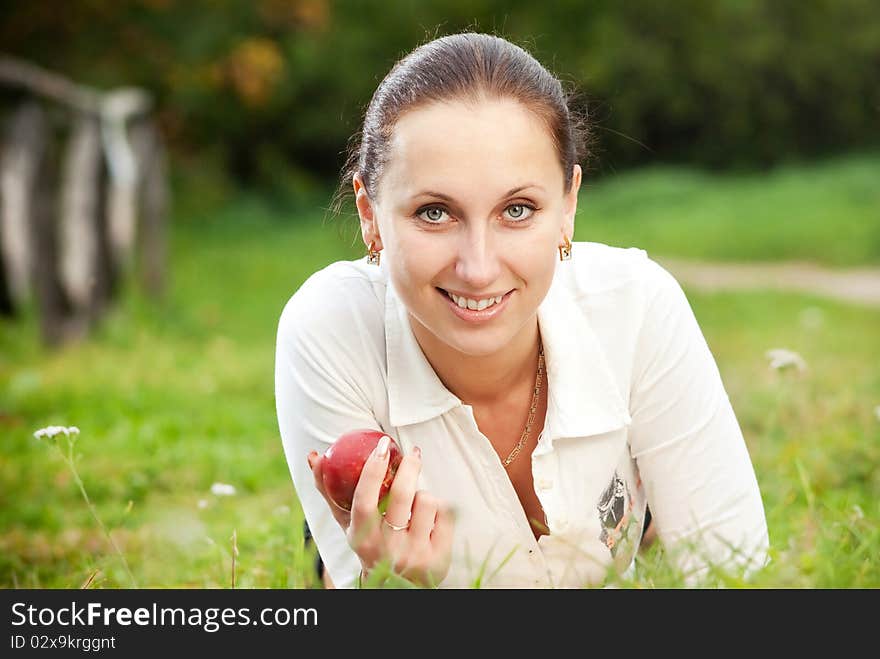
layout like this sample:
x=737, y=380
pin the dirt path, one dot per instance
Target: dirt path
x=857, y=285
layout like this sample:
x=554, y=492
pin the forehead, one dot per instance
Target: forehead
x=460, y=148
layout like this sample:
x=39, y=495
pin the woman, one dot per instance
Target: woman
x=544, y=392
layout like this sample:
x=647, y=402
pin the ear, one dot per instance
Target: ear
x=571, y=201
x=366, y=212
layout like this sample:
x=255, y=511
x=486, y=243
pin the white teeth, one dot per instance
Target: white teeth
x=477, y=305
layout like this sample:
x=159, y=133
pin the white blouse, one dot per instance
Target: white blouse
x=637, y=414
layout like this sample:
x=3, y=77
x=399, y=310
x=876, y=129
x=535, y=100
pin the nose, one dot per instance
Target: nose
x=478, y=264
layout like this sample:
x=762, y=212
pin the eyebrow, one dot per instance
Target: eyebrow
x=512, y=191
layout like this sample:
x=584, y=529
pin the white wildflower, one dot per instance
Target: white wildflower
x=781, y=359
x=49, y=432
x=202, y=504
x=282, y=510
x=222, y=490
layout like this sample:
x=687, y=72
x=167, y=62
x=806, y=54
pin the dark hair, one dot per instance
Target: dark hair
x=469, y=67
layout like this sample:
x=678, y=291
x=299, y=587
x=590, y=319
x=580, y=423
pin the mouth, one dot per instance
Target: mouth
x=488, y=312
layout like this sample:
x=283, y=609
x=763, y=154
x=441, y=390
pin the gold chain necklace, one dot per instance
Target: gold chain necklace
x=534, y=406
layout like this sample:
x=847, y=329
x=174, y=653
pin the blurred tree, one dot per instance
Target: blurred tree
x=270, y=88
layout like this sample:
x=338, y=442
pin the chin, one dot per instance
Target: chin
x=478, y=346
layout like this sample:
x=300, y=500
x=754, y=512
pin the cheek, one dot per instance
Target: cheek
x=538, y=272
x=533, y=258
x=416, y=258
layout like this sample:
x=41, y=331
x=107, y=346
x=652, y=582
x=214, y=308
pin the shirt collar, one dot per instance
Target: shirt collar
x=415, y=393
x=583, y=396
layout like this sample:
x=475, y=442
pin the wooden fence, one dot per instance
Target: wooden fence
x=83, y=198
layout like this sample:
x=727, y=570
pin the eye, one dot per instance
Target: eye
x=431, y=214
x=519, y=212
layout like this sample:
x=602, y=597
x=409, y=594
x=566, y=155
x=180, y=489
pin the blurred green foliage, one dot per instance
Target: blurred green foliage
x=271, y=90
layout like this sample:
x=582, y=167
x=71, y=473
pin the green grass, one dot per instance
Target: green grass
x=173, y=396
x=827, y=213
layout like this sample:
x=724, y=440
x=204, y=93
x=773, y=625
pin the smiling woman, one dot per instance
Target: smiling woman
x=545, y=393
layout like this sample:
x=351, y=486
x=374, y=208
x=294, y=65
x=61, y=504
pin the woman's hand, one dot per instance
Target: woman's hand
x=414, y=534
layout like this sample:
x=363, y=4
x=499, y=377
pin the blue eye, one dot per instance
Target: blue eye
x=432, y=214
x=519, y=212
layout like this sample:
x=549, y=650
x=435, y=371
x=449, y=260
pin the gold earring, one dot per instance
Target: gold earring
x=372, y=255
x=565, y=250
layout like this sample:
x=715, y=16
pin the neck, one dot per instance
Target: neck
x=483, y=380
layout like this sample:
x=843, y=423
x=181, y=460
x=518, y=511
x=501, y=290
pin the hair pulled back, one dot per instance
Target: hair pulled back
x=469, y=67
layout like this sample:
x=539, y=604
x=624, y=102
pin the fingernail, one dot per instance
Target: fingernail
x=311, y=458
x=382, y=447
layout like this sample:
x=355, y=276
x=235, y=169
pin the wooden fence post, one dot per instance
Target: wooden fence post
x=24, y=142
x=52, y=303
x=80, y=207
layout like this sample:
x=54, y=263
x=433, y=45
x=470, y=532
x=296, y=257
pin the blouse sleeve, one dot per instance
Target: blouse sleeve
x=691, y=455
x=318, y=396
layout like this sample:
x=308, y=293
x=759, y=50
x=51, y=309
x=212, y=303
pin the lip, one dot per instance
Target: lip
x=475, y=315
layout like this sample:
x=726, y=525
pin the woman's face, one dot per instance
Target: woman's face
x=470, y=203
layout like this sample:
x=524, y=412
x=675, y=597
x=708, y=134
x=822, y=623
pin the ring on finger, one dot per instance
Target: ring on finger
x=394, y=527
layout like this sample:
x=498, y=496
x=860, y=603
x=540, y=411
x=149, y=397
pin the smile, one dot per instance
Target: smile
x=472, y=304
x=475, y=309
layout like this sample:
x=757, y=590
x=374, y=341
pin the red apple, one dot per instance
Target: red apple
x=345, y=458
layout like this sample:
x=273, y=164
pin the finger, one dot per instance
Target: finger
x=403, y=489
x=316, y=462
x=424, y=514
x=365, y=501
